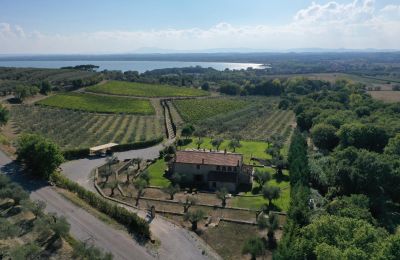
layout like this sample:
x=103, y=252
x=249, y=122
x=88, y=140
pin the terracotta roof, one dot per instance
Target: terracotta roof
x=211, y=158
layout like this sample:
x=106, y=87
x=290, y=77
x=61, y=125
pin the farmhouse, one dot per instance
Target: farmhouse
x=212, y=170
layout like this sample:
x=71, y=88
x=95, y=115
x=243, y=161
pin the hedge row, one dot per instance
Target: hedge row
x=82, y=153
x=130, y=220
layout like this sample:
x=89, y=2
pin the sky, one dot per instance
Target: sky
x=128, y=26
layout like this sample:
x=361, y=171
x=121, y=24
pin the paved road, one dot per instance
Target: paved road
x=79, y=170
x=84, y=226
x=176, y=243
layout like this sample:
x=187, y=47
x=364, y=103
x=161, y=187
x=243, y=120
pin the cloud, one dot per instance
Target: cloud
x=356, y=24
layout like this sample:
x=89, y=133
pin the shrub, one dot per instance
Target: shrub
x=130, y=220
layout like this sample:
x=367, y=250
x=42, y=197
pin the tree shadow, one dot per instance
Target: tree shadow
x=281, y=177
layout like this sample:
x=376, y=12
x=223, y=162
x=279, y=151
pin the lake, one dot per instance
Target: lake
x=124, y=65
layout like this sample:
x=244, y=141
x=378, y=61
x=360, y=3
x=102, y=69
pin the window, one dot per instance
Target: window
x=229, y=169
x=223, y=168
x=198, y=166
x=218, y=168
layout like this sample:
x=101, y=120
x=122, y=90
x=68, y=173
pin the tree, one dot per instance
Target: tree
x=271, y=193
x=393, y=147
x=194, y=217
x=140, y=185
x=324, y=136
x=130, y=172
x=261, y=177
x=189, y=202
x=176, y=178
x=370, y=137
x=45, y=87
x=39, y=155
x=112, y=185
x=171, y=190
x=36, y=207
x=199, y=142
x=205, y=86
x=254, y=246
x=216, y=142
x=222, y=194
x=25, y=251
x=342, y=237
x=234, y=143
x=110, y=160
x=22, y=92
x=187, y=130
x=272, y=224
x=60, y=226
x=4, y=115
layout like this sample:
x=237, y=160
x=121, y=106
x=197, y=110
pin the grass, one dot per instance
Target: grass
x=386, y=96
x=100, y=104
x=257, y=201
x=145, y=90
x=156, y=173
x=228, y=238
x=196, y=110
x=249, y=148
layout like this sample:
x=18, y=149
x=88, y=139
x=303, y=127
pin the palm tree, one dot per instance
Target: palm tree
x=222, y=194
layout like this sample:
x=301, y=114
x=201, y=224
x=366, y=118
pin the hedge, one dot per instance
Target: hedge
x=82, y=153
x=130, y=220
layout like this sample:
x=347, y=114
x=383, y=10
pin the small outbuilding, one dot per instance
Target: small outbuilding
x=101, y=149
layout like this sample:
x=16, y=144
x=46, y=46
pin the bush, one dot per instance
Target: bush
x=130, y=220
x=39, y=154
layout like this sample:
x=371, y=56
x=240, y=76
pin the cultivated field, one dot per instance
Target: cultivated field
x=144, y=90
x=98, y=103
x=193, y=111
x=76, y=129
x=248, y=119
x=386, y=96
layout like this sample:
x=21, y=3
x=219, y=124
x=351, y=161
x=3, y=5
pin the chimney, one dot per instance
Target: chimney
x=225, y=151
x=202, y=161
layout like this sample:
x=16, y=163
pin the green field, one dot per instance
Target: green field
x=100, y=104
x=196, y=110
x=77, y=129
x=156, y=173
x=145, y=90
x=257, y=201
x=249, y=148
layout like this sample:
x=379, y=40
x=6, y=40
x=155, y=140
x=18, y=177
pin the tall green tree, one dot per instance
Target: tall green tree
x=39, y=155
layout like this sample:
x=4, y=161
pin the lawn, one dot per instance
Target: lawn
x=156, y=172
x=145, y=90
x=257, y=201
x=199, y=109
x=249, y=148
x=100, y=104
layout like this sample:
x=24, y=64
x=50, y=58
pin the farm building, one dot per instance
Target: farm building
x=212, y=170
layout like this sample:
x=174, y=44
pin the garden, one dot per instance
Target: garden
x=99, y=104
x=139, y=89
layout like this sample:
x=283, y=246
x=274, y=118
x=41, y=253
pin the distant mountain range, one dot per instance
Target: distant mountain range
x=150, y=50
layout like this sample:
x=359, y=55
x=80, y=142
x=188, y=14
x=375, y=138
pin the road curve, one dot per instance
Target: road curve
x=176, y=242
x=84, y=226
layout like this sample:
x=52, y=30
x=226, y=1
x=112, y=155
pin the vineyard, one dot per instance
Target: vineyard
x=195, y=110
x=76, y=129
x=144, y=90
x=98, y=103
x=248, y=119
